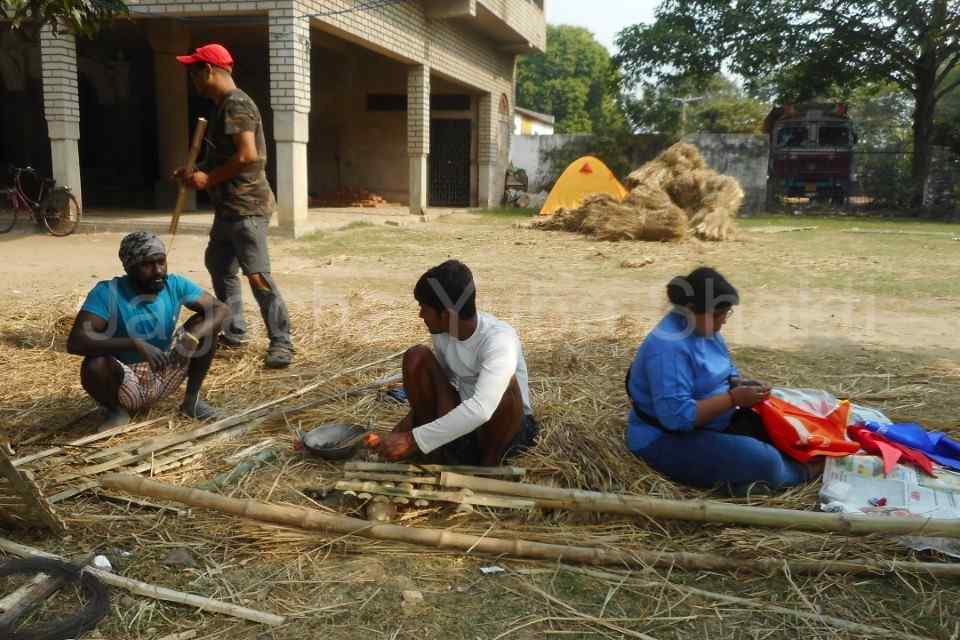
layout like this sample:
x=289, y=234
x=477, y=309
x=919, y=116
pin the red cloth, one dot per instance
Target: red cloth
x=891, y=452
x=803, y=435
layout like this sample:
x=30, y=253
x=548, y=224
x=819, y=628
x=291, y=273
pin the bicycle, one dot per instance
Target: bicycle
x=54, y=207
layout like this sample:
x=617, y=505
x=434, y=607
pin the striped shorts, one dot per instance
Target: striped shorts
x=142, y=387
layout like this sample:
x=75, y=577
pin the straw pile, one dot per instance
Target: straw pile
x=670, y=197
x=577, y=383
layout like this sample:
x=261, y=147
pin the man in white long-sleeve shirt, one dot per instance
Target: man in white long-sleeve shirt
x=469, y=399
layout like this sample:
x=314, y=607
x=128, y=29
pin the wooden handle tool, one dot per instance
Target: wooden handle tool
x=196, y=143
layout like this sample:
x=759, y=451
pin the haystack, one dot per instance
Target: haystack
x=645, y=214
x=671, y=196
x=710, y=200
x=679, y=159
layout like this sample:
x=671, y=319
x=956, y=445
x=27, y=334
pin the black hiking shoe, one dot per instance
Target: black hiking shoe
x=279, y=356
x=200, y=410
x=233, y=341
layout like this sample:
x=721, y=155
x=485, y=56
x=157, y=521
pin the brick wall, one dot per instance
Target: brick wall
x=418, y=110
x=401, y=31
x=61, y=102
x=290, y=59
x=526, y=17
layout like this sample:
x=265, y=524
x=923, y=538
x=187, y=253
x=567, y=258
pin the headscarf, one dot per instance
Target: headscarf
x=138, y=246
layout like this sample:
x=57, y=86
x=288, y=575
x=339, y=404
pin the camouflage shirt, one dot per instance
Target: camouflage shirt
x=248, y=193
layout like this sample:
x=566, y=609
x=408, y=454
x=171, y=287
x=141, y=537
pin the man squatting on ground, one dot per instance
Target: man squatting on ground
x=234, y=174
x=469, y=399
x=134, y=356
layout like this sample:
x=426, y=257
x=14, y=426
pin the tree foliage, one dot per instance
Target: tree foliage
x=83, y=17
x=715, y=105
x=803, y=48
x=575, y=80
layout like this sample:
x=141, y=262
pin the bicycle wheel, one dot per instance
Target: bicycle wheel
x=8, y=213
x=60, y=212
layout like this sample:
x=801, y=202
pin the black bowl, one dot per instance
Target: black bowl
x=325, y=440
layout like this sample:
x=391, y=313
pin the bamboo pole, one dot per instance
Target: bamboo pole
x=147, y=447
x=28, y=597
x=153, y=591
x=464, y=496
x=159, y=465
x=314, y=520
x=399, y=467
x=705, y=510
x=36, y=508
x=193, y=153
x=390, y=477
x=100, y=435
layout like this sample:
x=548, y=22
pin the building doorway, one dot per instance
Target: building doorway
x=450, y=162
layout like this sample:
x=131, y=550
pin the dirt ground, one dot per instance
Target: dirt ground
x=844, y=283
x=865, y=309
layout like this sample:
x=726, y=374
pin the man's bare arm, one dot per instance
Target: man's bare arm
x=246, y=144
x=214, y=315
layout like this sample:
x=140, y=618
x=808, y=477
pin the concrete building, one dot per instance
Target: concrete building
x=410, y=99
x=531, y=123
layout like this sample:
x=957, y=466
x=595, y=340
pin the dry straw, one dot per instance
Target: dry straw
x=671, y=196
x=577, y=384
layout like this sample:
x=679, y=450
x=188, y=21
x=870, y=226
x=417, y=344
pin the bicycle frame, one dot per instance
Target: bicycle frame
x=24, y=202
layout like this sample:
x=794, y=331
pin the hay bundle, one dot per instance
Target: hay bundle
x=711, y=201
x=645, y=214
x=672, y=195
x=680, y=159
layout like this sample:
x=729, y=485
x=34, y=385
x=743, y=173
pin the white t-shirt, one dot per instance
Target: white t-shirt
x=480, y=368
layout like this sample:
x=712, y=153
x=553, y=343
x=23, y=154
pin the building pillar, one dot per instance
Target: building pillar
x=487, y=152
x=61, y=107
x=168, y=39
x=290, y=100
x=418, y=136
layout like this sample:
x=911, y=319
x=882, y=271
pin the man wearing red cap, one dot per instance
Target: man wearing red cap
x=234, y=174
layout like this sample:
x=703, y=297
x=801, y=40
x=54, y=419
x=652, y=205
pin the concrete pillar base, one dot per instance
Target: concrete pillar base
x=486, y=196
x=419, y=185
x=65, y=156
x=292, y=132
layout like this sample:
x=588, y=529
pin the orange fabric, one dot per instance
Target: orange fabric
x=585, y=176
x=803, y=435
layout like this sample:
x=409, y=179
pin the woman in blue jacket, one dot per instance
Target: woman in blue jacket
x=690, y=418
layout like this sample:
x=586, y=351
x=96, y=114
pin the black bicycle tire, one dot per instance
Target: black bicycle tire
x=85, y=619
x=60, y=234
x=5, y=206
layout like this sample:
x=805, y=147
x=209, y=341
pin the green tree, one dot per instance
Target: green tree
x=83, y=17
x=804, y=47
x=715, y=105
x=575, y=80
x=947, y=119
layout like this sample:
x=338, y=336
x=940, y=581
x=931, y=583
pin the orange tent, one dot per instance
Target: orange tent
x=585, y=176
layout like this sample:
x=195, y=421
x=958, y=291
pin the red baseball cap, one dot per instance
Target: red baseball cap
x=215, y=54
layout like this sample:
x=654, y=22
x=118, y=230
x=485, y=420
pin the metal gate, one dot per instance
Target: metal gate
x=450, y=163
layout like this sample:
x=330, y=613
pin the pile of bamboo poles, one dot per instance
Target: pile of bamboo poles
x=158, y=454
x=315, y=520
x=451, y=486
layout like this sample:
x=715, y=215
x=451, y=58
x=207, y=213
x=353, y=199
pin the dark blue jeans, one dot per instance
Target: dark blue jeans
x=735, y=458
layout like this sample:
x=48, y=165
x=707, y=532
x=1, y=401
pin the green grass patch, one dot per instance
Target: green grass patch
x=508, y=212
x=849, y=223
x=366, y=239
